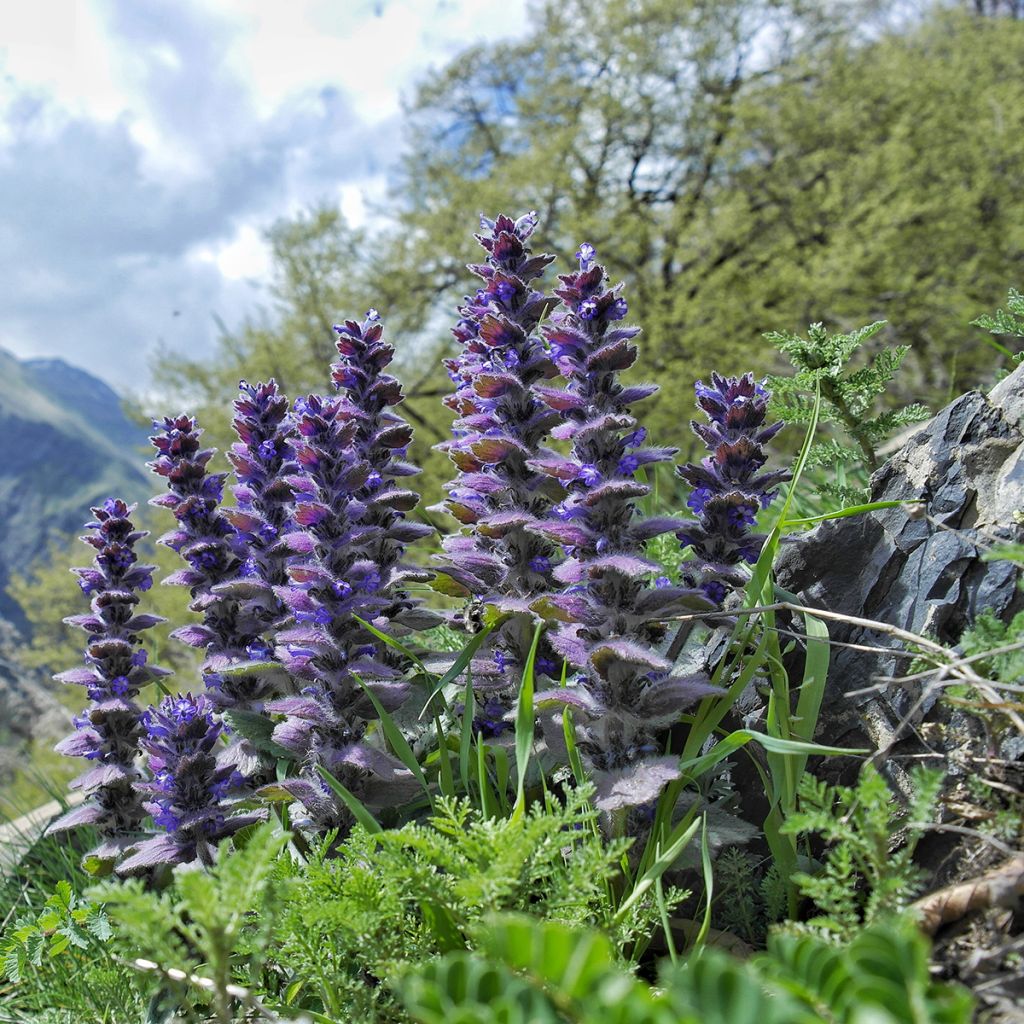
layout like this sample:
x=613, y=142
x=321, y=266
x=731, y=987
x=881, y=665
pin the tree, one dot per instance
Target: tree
x=743, y=165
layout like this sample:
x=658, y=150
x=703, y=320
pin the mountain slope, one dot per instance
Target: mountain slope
x=64, y=445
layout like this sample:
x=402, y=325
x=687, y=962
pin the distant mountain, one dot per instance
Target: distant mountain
x=65, y=444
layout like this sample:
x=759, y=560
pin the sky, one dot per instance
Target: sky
x=146, y=144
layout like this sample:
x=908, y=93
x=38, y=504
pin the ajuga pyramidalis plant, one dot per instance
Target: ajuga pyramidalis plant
x=729, y=487
x=187, y=793
x=231, y=630
x=611, y=613
x=501, y=423
x=349, y=537
x=116, y=668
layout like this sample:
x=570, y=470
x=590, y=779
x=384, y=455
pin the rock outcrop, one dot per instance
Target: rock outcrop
x=921, y=572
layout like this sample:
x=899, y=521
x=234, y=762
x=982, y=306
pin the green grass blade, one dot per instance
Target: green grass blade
x=488, y=801
x=525, y=721
x=393, y=644
x=352, y=802
x=709, y=885
x=466, y=737
x=695, y=767
x=662, y=862
x=445, y=778
x=396, y=740
x=459, y=665
x=843, y=513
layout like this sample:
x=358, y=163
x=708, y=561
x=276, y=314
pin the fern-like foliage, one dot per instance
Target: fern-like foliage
x=990, y=633
x=209, y=925
x=1005, y=322
x=381, y=902
x=869, y=871
x=848, y=398
x=549, y=973
x=62, y=955
x=66, y=922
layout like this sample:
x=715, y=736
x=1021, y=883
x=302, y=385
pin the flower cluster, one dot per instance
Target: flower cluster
x=263, y=458
x=189, y=786
x=116, y=668
x=500, y=425
x=611, y=613
x=729, y=487
x=217, y=555
x=350, y=534
x=297, y=584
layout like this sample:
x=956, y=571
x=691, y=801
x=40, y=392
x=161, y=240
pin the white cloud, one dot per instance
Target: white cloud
x=144, y=147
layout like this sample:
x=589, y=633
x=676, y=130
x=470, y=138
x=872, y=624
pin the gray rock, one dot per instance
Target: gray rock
x=924, y=574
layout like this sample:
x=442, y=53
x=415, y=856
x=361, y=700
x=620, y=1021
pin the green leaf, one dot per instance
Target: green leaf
x=258, y=729
x=525, y=724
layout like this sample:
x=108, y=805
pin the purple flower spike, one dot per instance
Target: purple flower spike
x=116, y=668
x=729, y=487
x=224, y=571
x=190, y=783
x=501, y=422
x=610, y=621
x=347, y=547
x=263, y=459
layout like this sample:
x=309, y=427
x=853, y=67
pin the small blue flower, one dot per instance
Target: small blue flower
x=260, y=650
x=586, y=254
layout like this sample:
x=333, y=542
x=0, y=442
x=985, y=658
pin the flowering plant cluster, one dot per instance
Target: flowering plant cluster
x=306, y=602
x=116, y=668
x=610, y=616
x=729, y=487
x=348, y=538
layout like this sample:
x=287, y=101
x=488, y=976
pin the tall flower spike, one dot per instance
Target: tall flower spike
x=188, y=792
x=728, y=486
x=501, y=423
x=350, y=536
x=116, y=668
x=611, y=616
x=231, y=631
x=263, y=458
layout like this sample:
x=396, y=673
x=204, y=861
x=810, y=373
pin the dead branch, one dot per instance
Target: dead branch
x=1001, y=887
